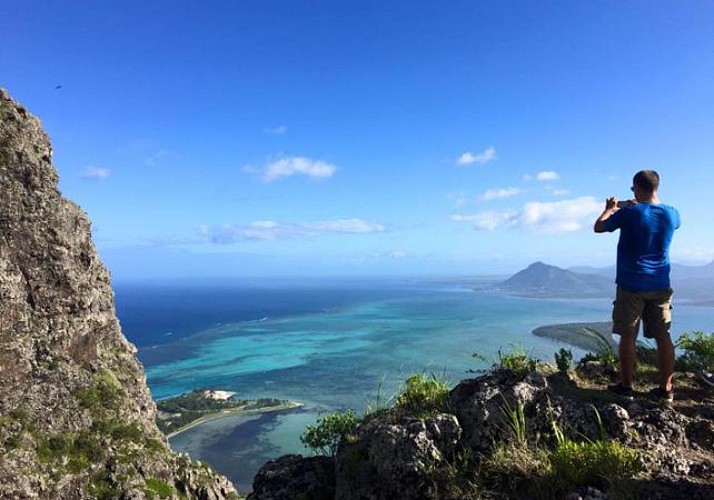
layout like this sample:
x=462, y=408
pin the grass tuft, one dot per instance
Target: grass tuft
x=424, y=395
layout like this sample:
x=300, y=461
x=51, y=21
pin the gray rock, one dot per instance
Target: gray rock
x=291, y=477
x=394, y=459
x=77, y=415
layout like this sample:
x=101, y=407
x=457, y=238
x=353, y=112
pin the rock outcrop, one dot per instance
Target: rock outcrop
x=441, y=457
x=76, y=416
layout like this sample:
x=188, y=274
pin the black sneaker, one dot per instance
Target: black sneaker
x=662, y=395
x=621, y=390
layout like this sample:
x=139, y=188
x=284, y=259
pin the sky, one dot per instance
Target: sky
x=297, y=138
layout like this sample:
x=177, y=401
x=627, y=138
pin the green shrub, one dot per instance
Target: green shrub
x=424, y=395
x=158, y=488
x=591, y=462
x=154, y=445
x=605, y=353
x=329, y=431
x=105, y=393
x=53, y=447
x=102, y=487
x=564, y=359
x=130, y=432
x=516, y=423
x=512, y=471
x=698, y=350
x=516, y=359
x=13, y=442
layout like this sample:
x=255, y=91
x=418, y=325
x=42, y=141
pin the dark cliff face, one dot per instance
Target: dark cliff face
x=76, y=416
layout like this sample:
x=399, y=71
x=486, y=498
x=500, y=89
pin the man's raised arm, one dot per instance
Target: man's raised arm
x=610, y=208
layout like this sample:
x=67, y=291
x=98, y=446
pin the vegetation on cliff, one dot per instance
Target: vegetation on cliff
x=76, y=416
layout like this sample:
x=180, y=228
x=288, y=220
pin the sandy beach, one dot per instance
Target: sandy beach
x=290, y=405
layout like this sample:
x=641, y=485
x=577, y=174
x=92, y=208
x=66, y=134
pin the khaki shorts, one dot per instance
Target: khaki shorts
x=653, y=308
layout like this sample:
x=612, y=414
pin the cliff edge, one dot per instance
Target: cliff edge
x=76, y=415
x=513, y=434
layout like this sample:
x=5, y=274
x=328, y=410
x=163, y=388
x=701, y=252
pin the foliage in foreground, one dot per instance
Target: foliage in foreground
x=698, y=353
x=424, y=395
x=591, y=462
x=605, y=352
x=329, y=431
x=564, y=359
x=516, y=359
x=522, y=468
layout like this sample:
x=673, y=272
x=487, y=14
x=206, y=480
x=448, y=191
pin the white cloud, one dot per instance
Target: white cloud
x=543, y=217
x=95, y=173
x=279, y=130
x=500, y=194
x=488, y=221
x=560, y=216
x=489, y=154
x=547, y=175
x=286, y=167
x=345, y=226
x=273, y=230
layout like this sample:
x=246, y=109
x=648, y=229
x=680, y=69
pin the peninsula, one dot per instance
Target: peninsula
x=177, y=414
x=585, y=335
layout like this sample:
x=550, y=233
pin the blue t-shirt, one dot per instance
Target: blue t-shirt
x=646, y=231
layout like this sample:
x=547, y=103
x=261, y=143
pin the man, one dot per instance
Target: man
x=643, y=287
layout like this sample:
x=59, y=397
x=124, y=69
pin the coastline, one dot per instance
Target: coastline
x=573, y=334
x=289, y=405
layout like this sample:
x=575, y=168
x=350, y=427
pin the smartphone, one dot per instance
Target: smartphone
x=626, y=203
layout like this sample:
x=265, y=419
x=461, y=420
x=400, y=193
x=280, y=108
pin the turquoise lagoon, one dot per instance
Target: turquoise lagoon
x=345, y=346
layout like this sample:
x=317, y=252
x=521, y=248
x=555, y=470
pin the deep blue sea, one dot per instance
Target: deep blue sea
x=328, y=343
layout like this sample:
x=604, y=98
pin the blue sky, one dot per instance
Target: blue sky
x=260, y=138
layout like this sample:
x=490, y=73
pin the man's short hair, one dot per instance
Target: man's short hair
x=647, y=180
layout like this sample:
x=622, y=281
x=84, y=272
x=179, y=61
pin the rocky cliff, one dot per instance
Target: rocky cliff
x=530, y=435
x=76, y=416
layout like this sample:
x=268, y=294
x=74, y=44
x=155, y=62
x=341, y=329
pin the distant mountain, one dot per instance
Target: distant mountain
x=543, y=280
x=680, y=271
x=693, y=284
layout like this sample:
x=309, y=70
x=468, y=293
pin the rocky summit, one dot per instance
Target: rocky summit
x=76, y=416
x=539, y=434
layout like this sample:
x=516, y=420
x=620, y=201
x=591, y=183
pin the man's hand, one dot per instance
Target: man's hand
x=610, y=208
x=626, y=203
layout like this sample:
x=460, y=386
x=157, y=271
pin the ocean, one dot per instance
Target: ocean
x=330, y=344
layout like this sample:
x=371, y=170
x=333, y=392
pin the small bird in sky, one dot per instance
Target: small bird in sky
x=57, y=87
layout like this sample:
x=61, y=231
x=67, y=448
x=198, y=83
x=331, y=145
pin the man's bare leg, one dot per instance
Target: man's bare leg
x=665, y=355
x=628, y=357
